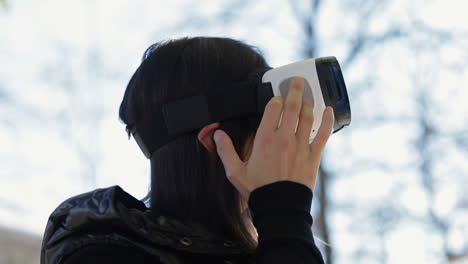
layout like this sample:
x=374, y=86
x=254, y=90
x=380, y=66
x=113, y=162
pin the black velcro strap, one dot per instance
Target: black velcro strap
x=176, y=118
x=232, y=101
x=186, y=115
x=151, y=134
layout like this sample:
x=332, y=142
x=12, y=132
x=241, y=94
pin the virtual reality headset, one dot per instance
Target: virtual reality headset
x=324, y=86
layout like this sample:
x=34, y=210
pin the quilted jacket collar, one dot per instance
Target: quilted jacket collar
x=97, y=215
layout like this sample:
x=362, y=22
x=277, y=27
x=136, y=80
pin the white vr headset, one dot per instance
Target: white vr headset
x=324, y=86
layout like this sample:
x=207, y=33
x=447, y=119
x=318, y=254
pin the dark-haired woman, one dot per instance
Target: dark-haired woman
x=234, y=191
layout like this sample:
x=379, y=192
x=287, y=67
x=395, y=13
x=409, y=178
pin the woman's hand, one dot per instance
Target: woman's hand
x=279, y=153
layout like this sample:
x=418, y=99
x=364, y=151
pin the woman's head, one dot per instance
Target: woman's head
x=187, y=177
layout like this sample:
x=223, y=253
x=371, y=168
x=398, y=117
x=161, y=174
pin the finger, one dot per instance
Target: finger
x=271, y=116
x=292, y=105
x=227, y=153
x=306, y=119
x=324, y=131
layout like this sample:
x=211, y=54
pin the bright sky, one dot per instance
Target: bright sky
x=64, y=67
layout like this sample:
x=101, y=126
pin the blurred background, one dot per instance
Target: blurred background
x=393, y=186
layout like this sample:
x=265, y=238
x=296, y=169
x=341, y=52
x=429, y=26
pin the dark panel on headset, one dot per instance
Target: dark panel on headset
x=326, y=80
x=334, y=90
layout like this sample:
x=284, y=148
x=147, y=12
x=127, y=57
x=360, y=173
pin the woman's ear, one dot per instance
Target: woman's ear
x=205, y=136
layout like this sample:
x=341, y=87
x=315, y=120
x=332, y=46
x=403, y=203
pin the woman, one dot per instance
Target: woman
x=236, y=191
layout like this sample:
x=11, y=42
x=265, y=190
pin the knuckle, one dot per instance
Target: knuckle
x=292, y=107
x=284, y=144
x=322, y=139
x=296, y=83
x=307, y=112
x=308, y=118
x=307, y=115
x=275, y=102
x=297, y=86
x=266, y=140
x=306, y=103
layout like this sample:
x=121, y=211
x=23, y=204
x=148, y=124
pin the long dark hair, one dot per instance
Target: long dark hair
x=185, y=183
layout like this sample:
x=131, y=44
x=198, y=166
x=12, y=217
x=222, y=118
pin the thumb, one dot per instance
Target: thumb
x=227, y=152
